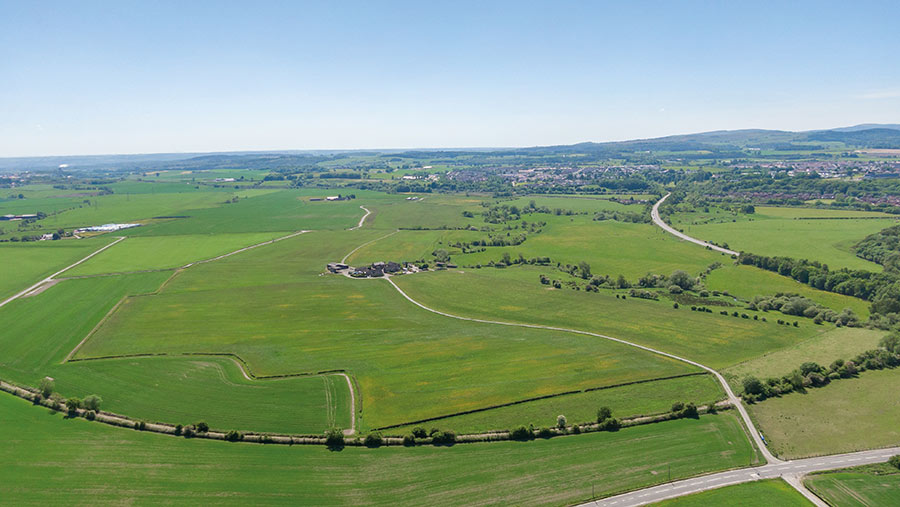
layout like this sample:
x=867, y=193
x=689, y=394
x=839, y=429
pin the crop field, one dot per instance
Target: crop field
x=747, y=282
x=110, y=465
x=762, y=493
x=515, y=295
x=24, y=264
x=860, y=486
x=647, y=398
x=165, y=252
x=846, y=415
x=777, y=231
x=840, y=343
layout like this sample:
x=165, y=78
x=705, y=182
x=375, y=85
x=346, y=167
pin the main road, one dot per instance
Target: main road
x=654, y=213
x=789, y=470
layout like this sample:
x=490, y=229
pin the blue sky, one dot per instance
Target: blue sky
x=140, y=77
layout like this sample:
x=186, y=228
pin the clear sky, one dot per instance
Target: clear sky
x=139, y=77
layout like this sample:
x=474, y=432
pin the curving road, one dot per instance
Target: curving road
x=732, y=398
x=654, y=214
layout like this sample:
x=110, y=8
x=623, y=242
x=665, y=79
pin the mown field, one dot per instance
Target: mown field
x=777, y=231
x=648, y=398
x=861, y=486
x=515, y=295
x=750, y=494
x=839, y=343
x=114, y=465
x=844, y=416
x=747, y=282
x=24, y=264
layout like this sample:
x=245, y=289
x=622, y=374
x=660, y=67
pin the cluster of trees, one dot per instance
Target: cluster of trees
x=623, y=216
x=811, y=374
x=794, y=304
x=882, y=289
x=883, y=248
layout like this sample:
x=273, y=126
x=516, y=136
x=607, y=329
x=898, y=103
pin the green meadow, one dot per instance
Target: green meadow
x=649, y=398
x=762, y=493
x=24, y=264
x=515, y=295
x=747, y=282
x=116, y=465
x=779, y=232
x=860, y=486
x=846, y=415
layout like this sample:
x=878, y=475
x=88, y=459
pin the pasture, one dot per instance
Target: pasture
x=780, y=232
x=860, y=486
x=116, y=465
x=24, y=264
x=846, y=415
x=747, y=282
x=515, y=295
x=763, y=493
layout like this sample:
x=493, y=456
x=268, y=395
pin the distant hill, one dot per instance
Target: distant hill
x=867, y=126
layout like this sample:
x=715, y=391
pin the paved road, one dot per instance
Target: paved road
x=790, y=470
x=654, y=213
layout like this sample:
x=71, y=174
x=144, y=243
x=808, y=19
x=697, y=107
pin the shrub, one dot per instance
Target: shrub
x=690, y=410
x=752, y=385
x=521, y=433
x=178, y=429
x=334, y=439
x=603, y=414
x=92, y=402
x=409, y=440
x=373, y=440
x=561, y=422
x=675, y=306
x=446, y=437
x=266, y=439
x=73, y=404
x=90, y=415
x=545, y=433
x=576, y=429
x=234, y=436
x=188, y=432
x=47, y=386
x=202, y=427
x=677, y=407
x=895, y=461
x=611, y=424
x=675, y=289
x=419, y=432
x=140, y=425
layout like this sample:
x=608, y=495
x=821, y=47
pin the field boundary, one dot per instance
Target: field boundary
x=344, y=260
x=544, y=397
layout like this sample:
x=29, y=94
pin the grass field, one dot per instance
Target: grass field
x=747, y=282
x=847, y=415
x=776, y=231
x=515, y=295
x=634, y=400
x=762, y=493
x=115, y=465
x=610, y=247
x=272, y=308
x=861, y=486
x=162, y=252
x=838, y=343
x=24, y=264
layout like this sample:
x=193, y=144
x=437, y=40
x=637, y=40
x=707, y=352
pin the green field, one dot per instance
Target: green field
x=844, y=416
x=747, y=282
x=164, y=252
x=863, y=486
x=626, y=401
x=115, y=465
x=515, y=295
x=292, y=320
x=762, y=493
x=777, y=232
x=24, y=264
x=839, y=343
